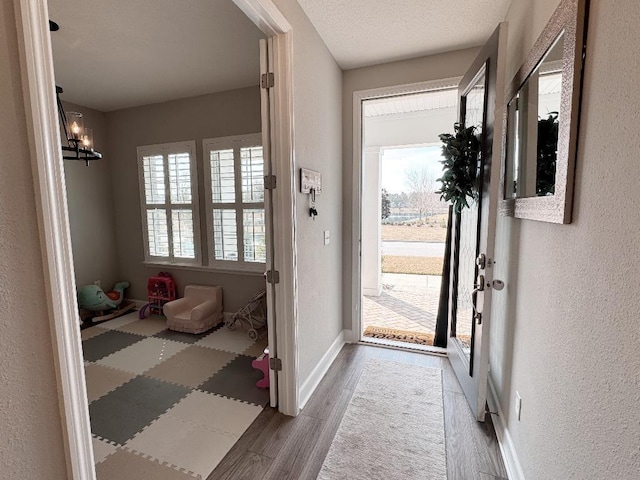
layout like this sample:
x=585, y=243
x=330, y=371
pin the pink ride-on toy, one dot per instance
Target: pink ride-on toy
x=262, y=363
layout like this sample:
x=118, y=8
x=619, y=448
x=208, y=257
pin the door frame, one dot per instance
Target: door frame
x=32, y=22
x=359, y=96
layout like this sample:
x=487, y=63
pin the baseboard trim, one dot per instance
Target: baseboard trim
x=139, y=303
x=312, y=382
x=372, y=292
x=509, y=455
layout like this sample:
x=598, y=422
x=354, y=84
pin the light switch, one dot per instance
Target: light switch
x=327, y=237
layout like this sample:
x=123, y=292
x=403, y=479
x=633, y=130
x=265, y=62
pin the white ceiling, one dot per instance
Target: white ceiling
x=113, y=54
x=412, y=103
x=366, y=32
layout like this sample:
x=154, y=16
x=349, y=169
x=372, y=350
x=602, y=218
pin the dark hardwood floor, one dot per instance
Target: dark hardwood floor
x=279, y=447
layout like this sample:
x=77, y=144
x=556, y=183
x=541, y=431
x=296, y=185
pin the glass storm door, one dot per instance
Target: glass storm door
x=480, y=95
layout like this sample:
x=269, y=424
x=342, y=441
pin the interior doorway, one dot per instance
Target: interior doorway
x=48, y=172
x=187, y=361
x=403, y=222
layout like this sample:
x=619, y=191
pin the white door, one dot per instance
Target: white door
x=481, y=95
x=266, y=99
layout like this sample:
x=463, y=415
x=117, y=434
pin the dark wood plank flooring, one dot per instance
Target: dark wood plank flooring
x=284, y=448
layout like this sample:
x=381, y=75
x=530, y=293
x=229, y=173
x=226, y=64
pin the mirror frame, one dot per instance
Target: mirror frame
x=570, y=19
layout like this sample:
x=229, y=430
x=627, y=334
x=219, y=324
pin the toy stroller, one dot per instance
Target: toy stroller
x=253, y=314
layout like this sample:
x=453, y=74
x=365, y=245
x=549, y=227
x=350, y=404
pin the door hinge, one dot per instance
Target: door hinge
x=275, y=364
x=273, y=276
x=269, y=182
x=267, y=80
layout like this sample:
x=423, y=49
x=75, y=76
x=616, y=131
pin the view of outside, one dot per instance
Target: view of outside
x=403, y=255
x=414, y=228
x=413, y=217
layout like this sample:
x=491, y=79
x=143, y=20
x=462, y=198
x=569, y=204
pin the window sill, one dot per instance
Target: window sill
x=257, y=271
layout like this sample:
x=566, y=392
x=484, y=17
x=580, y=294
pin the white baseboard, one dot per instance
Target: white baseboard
x=372, y=292
x=509, y=455
x=311, y=383
x=139, y=303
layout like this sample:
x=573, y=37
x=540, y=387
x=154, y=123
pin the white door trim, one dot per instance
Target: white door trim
x=284, y=222
x=273, y=24
x=356, y=187
x=53, y=223
x=32, y=21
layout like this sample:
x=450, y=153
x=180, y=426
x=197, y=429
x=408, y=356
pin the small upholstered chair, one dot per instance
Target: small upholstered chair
x=198, y=311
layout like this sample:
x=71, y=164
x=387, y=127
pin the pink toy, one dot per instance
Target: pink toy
x=262, y=363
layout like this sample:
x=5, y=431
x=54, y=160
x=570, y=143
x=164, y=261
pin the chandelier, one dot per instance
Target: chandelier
x=79, y=139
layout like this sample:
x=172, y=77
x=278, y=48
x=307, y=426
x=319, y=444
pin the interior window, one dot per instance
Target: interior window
x=235, y=202
x=168, y=191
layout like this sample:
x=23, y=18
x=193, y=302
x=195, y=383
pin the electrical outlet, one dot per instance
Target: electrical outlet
x=97, y=282
x=518, y=405
x=327, y=237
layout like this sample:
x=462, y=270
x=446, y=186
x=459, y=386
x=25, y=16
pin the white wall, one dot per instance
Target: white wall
x=31, y=439
x=413, y=128
x=317, y=97
x=565, y=331
x=91, y=208
x=435, y=67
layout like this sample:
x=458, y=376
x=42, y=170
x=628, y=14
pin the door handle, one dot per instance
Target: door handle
x=480, y=285
x=481, y=261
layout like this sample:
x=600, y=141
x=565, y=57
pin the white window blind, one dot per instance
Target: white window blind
x=235, y=202
x=168, y=193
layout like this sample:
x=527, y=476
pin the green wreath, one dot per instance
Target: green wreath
x=460, y=166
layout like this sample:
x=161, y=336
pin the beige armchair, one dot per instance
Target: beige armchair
x=198, y=311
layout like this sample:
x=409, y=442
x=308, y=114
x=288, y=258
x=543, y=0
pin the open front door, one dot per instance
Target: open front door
x=480, y=92
x=266, y=99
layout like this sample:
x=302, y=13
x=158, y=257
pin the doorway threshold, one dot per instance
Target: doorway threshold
x=409, y=347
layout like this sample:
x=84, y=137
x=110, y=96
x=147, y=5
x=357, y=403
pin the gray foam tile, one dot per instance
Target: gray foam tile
x=119, y=415
x=238, y=380
x=107, y=343
x=181, y=336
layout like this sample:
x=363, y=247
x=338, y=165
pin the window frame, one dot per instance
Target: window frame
x=235, y=142
x=166, y=149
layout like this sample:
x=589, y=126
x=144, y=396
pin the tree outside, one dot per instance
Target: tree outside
x=386, y=204
x=422, y=186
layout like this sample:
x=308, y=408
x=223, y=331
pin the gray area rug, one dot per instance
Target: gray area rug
x=393, y=427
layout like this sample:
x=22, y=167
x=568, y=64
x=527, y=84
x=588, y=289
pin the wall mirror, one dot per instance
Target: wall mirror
x=541, y=121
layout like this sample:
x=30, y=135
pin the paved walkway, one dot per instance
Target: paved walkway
x=407, y=302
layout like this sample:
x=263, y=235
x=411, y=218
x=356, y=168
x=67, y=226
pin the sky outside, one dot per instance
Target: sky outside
x=396, y=161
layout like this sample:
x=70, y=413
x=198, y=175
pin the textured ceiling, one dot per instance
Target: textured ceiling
x=113, y=54
x=367, y=32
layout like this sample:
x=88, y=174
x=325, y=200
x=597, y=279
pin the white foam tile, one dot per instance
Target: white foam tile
x=101, y=449
x=201, y=451
x=184, y=444
x=120, y=321
x=235, y=341
x=222, y=414
x=159, y=437
x=143, y=355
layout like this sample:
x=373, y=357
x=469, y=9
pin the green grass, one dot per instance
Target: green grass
x=412, y=265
